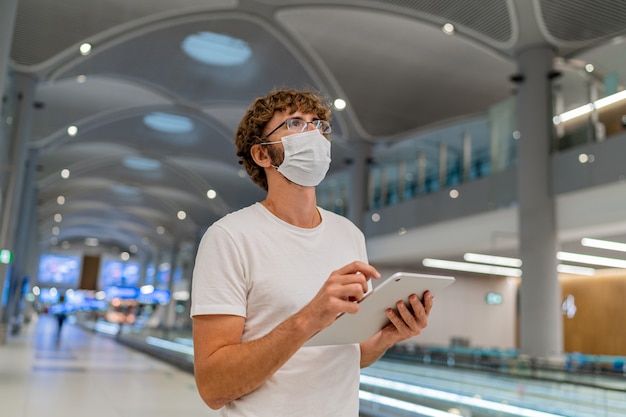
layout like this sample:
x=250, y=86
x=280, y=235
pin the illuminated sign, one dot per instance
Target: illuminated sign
x=493, y=298
x=6, y=256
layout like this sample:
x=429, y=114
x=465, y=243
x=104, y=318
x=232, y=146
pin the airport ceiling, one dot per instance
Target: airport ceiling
x=390, y=60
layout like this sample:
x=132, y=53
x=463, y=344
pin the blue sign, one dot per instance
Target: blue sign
x=126, y=293
x=155, y=297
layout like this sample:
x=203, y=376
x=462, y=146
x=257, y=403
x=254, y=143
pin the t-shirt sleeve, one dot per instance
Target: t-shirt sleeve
x=218, y=283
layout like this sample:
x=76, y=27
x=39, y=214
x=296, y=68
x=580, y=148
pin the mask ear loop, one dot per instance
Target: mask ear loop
x=269, y=153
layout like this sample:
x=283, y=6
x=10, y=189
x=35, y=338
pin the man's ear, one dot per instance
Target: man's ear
x=261, y=156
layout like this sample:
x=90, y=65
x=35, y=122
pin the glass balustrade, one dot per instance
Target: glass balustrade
x=589, y=104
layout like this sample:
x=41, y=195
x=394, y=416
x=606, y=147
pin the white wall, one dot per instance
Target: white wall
x=461, y=311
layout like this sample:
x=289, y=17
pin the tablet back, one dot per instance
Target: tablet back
x=356, y=328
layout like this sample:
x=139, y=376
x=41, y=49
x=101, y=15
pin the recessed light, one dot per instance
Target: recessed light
x=469, y=267
x=85, y=49
x=603, y=244
x=491, y=259
x=592, y=260
x=92, y=241
x=448, y=29
x=340, y=104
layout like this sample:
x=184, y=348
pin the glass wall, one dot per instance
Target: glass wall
x=589, y=102
x=430, y=161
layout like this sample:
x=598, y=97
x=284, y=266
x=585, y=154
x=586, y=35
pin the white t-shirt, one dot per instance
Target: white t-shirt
x=253, y=264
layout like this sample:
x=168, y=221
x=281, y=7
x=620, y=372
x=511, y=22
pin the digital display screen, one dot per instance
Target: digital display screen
x=59, y=270
x=155, y=297
x=150, y=274
x=119, y=273
x=49, y=296
x=163, y=275
x=124, y=293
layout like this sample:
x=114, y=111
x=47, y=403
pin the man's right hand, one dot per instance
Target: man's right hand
x=339, y=294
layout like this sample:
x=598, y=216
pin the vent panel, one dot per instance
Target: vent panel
x=582, y=21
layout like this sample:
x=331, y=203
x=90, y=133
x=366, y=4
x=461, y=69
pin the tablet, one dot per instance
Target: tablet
x=356, y=328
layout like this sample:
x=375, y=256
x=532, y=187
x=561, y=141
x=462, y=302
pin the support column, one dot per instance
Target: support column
x=8, y=9
x=170, y=317
x=11, y=209
x=467, y=157
x=359, y=176
x=27, y=225
x=541, y=326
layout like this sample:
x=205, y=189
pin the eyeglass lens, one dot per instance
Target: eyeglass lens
x=299, y=125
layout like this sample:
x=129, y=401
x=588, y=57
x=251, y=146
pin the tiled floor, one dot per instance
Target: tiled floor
x=86, y=374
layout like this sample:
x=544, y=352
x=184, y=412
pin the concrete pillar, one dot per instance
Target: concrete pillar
x=27, y=225
x=541, y=326
x=359, y=181
x=443, y=165
x=421, y=171
x=8, y=8
x=11, y=208
x=467, y=157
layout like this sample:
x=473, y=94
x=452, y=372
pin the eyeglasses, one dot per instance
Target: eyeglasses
x=299, y=125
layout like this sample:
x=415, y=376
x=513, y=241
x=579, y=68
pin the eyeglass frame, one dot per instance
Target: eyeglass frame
x=318, y=121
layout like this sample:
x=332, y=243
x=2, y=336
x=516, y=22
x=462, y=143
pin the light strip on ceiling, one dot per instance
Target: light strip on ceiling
x=603, y=244
x=587, y=108
x=494, y=260
x=469, y=267
x=454, y=398
x=592, y=260
x=575, y=270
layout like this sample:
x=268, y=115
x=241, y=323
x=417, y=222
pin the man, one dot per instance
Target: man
x=270, y=276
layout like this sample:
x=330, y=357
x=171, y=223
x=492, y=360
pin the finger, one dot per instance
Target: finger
x=407, y=315
x=353, y=292
x=419, y=312
x=361, y=267
x=427, y=301
x=395, y=319
x=402, y=329
x=349, y=279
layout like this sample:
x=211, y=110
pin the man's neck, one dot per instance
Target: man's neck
x=295, y=205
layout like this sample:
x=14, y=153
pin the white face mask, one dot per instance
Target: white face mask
x=307, y=157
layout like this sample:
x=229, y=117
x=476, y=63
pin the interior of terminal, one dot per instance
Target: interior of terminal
x=484, y=140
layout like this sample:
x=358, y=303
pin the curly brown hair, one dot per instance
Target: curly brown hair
x=250, y=130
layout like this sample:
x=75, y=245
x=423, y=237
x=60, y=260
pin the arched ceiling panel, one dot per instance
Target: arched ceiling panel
x=399, y=80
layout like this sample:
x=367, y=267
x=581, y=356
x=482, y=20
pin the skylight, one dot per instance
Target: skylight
x=141, y=164
x=168, y=123
x=216, y=49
